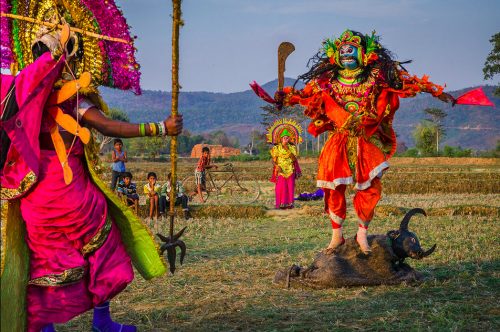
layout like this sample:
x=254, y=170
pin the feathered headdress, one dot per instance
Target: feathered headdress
x=108, y=49
x=284, y=127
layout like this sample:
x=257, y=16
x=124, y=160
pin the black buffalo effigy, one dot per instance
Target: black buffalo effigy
x=349, y=266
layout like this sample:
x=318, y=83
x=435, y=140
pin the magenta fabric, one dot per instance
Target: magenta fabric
x=284, y=190
x=123, y=70
x=60, y=220
x=6, y=56
x=33, y=86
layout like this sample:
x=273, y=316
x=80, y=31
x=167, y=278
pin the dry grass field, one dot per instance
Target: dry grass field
x=234, y=251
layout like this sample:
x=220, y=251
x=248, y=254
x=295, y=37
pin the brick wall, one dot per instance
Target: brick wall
x=215, y=151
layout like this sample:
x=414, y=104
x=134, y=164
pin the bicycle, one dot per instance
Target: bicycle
x=234, y=188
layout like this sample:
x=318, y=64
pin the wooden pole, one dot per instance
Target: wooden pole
x=52, y=25
x=176, y=23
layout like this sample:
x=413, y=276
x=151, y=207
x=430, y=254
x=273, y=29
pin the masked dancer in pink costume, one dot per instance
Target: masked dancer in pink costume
x=284, y=134
x=81, y=240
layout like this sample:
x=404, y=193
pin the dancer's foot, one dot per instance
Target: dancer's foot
x=102, y=321
x=362, y=239
x=48, y=328
x=336, y=241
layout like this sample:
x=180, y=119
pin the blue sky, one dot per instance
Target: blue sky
x=226, y=44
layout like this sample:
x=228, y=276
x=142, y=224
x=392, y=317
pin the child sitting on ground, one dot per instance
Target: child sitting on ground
x=128, y=189
x=151, y=190
x=181, y=198
x=200, y=172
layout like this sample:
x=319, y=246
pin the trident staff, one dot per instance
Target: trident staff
x=172, y=241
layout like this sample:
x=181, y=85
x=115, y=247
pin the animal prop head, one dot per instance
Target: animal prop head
x=406, y=243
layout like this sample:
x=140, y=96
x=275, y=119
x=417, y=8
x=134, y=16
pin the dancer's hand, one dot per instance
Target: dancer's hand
x=447, y=98
x=174, y=125
x=279, y=98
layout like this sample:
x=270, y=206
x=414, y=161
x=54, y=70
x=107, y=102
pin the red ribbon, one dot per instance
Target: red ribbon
x=259, y=91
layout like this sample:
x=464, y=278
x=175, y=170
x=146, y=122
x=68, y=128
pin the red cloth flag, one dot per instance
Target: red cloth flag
x=259, y=91
x=474, y=97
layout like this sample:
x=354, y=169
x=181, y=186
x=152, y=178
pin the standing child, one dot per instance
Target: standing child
x=129, y=190
x=200, y=173
x=151, y=190
x=119, y=158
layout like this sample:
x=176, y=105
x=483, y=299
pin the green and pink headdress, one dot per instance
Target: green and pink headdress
x=284, y=127
x=367, y=47
x=108, y=48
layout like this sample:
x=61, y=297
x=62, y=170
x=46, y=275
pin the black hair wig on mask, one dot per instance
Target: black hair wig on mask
x=320, y=65
x=38, y=49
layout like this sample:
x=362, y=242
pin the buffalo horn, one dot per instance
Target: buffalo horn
x=428, y=252
x=406, y=219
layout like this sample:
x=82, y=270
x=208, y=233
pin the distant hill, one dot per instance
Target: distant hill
x=239, y=113
x=473, y=127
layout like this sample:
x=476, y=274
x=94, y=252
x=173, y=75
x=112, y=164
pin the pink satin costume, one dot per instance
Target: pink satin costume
x=77, y=258
x=285, y=178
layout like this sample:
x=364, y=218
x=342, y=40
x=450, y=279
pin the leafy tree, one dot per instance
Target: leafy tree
x=425, y=135
x=186, y=141
x=492, y=64
x=117, y=114
x=114, y=114
x=136, y=146
x=436, y=116
x=413, y=152
x=219, y=137
x=155, y=145
x=451, y=151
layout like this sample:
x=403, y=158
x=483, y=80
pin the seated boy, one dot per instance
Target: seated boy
x=200, y=173
x=181, y=199
x=128, y=189
x=151, y=190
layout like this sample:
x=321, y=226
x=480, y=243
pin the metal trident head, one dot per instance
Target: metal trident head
x=169, y=244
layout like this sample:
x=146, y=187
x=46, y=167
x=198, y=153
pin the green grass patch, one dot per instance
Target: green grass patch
x=226, y=281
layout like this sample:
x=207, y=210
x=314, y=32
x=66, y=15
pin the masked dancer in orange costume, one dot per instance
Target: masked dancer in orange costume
x=352, y=90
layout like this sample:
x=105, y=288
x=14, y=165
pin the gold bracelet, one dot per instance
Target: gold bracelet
x=152, y=129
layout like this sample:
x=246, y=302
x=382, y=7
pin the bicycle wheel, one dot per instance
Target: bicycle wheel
x=245, y=191
x=218, y=188
x=191, y=189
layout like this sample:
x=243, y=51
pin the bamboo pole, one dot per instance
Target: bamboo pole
x=176, y=23
x=52, y=25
